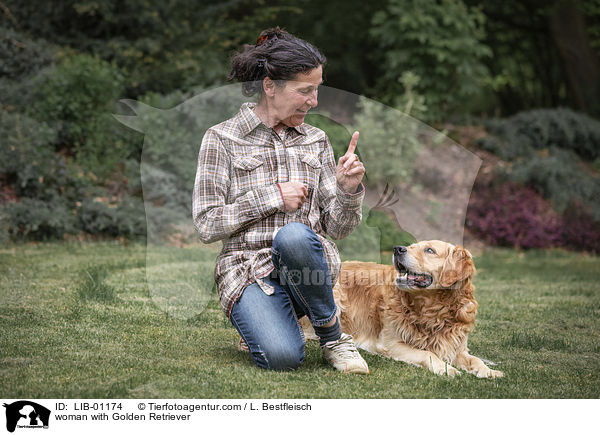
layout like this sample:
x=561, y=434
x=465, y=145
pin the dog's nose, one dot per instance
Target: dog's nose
x=399, y=250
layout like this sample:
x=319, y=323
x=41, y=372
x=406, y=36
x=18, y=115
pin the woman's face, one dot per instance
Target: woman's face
x=291, y=102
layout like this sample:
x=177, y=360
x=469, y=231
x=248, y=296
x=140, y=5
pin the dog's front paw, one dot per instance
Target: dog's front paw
x=451, y=372
x=447, y=370
x=495, y=374
x=486, y=372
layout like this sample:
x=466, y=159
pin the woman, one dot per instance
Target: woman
x=268, y=186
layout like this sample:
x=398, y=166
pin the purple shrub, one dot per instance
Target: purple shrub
x=514, y=215
x=579, y=230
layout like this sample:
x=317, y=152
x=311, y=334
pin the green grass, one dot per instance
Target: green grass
x=80, y=320
x=94, y=286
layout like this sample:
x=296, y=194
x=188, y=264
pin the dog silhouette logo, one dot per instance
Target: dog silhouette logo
x=418, y=181
x=26, y=414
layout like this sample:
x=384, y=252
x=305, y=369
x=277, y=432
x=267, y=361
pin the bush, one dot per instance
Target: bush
x=76, y=91
x=28, y=162
x=167, y=201
x=520, y=135
x=22, y=58
x=77, y=97
x=560, y=177
x=579, y=230
x=38, y=176
x=39, y=220
x=545, y=149
x=54, y=197
x=125, y=219
x=20, y=55
x=513, y=215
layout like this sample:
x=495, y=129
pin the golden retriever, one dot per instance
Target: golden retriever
x=420, y=310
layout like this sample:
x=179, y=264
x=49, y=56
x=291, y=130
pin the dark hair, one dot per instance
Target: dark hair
x=278, y=55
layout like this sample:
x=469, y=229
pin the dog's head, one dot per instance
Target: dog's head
x=432, y=264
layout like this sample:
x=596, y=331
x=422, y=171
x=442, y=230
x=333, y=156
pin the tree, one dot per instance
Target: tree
x=441, y=42
x=545, y=54
x=580, y=62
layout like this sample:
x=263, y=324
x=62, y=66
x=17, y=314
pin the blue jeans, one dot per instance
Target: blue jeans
x=269, y=323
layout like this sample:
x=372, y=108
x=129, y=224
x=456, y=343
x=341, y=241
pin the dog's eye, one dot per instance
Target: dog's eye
x=430, y=251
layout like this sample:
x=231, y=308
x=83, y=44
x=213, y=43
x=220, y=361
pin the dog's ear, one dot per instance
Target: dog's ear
x=457, y=267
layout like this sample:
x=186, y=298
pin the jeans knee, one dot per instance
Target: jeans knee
x=284, y=359
x=291, y=237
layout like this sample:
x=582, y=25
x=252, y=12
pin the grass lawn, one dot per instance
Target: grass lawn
x=80, y=321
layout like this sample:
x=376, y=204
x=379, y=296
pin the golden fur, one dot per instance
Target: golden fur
x=389, y=313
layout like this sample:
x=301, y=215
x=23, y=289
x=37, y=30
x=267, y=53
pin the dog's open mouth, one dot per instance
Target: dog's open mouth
x=408, y=278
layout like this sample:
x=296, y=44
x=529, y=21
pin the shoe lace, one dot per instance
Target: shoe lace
x=344, y=346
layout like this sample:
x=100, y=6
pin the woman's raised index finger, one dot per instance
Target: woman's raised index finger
x=353, y=143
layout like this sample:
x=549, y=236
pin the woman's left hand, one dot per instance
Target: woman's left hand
x=350, y=170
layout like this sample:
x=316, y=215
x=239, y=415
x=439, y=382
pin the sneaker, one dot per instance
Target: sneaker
x=342, y=355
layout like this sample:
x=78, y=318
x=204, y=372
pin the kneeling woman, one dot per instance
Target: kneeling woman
x=267, y=185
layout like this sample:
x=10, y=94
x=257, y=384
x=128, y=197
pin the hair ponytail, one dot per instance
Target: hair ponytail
x=277, y=54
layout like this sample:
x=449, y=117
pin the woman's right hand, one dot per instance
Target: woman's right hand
x=294, y=194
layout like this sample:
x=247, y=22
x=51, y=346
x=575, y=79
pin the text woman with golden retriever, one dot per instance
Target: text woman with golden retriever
x=267, y=185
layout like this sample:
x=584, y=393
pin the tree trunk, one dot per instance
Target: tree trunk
x=580, y=62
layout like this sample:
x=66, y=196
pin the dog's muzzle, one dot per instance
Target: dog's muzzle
x=407, y=278
x=399, y=252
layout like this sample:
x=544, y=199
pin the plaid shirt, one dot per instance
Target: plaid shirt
x=237, y=200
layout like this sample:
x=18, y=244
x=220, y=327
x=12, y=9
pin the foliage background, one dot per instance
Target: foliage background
x=524, y=75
